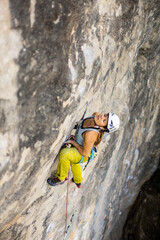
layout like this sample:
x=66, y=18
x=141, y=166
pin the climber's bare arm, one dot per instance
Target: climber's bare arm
x=89, y=139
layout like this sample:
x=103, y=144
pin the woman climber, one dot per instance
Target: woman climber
x=89, y=133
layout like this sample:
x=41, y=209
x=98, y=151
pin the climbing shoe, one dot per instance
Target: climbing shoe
x=79, y=185
x=55, y=181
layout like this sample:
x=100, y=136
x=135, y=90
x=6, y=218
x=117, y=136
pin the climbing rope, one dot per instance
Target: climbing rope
x=71, y=219
x=87, y=104
x=69, y=224
x=65, y=230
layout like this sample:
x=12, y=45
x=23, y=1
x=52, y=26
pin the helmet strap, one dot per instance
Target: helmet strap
x=106, y=130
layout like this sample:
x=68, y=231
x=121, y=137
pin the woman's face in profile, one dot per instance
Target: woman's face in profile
x=101, y=119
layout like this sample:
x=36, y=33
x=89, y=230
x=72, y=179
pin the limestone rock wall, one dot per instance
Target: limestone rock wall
x=143, y=221
x=55, y=56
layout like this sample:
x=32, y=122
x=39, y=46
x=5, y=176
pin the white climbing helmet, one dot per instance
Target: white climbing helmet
x=113, y=122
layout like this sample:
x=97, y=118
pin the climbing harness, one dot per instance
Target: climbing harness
x=93, y=154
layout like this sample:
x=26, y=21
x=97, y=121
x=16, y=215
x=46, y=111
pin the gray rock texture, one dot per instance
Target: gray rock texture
x=55, y=56
x=143, y=220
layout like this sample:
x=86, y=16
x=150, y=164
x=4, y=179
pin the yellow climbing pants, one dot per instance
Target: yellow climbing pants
x=68, y=157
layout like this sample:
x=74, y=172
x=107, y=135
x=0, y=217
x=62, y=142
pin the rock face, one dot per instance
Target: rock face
x=55, y=56
x=143, y=220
